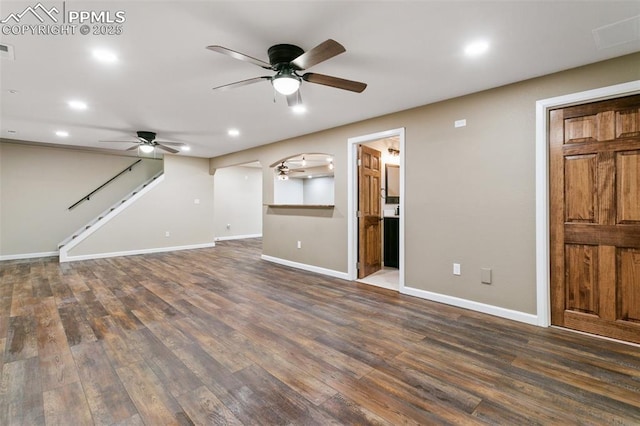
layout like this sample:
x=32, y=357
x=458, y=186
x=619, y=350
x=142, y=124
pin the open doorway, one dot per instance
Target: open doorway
x=375, y=203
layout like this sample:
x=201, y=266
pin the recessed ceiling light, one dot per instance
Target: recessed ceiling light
x=186, y=148
x=12, y=132
x=79, y=105
x=476, y=48
x=105, y=56
x=299, y=109
x=234, y=132
x=62, y=133
x=13, y=91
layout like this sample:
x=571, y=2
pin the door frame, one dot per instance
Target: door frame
x=352, y=198
x=543, y=274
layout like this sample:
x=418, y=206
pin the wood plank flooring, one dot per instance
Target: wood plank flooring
x=218, y=336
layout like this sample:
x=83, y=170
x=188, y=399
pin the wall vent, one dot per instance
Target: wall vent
x=6, y=52
x=621, y=32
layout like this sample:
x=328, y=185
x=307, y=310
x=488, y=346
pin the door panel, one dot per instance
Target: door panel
x=369, y=216
x=581, y=280
x=580, y=176
x=628, y=288
x=628, y=177
x=595, y=217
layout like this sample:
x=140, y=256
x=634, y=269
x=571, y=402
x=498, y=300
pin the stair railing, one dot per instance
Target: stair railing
x=89, y=195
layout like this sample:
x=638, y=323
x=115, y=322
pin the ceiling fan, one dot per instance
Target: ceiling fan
x=146, y=141
x=286, y=60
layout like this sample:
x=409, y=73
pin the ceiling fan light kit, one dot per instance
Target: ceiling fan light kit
x=147, y=149
x=286, y=82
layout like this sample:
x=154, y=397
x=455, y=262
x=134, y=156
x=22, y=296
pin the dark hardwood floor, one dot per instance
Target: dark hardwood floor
x=218, y=336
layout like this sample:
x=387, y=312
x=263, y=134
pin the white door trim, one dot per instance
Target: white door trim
x=352, y=194
x=543, y=106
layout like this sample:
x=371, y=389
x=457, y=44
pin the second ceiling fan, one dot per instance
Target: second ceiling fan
x=286, y=60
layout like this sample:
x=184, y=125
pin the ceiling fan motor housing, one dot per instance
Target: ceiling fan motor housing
x=280, y=56
x=147, y=136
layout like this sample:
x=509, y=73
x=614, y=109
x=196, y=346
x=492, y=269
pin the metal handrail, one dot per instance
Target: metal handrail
x=88, y=196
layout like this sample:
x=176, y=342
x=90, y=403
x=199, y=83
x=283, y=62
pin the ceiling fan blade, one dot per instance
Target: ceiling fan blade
x=166, y=148
x=120, y=141
x=240, y=56
x=338, y=83
x=325, y=50
x=170, y=143
x=132, y=148
x=241, y=83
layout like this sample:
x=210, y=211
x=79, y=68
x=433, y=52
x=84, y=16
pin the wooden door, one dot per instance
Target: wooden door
x=369, y=217
x=595, y=217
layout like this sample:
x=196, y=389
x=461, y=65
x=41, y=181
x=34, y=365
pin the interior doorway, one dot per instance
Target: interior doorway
x=595, y=217
x=543, y=108
x=376, y=200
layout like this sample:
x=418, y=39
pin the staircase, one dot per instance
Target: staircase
x=74, y=239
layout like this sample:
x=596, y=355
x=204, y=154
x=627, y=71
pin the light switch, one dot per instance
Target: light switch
x=485, y=275
x=460, y=123
x=456, y=269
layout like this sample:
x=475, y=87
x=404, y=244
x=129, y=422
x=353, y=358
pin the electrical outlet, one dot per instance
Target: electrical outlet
x=228, y=226
x=299, y=244
x=456, y=269
x=167, y=234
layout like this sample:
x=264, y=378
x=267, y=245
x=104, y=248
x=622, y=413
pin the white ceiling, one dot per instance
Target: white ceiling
x=409, y=53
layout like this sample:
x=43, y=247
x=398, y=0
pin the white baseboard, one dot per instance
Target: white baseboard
x=471, y=305
x=238, y=237
x=135, y=252
x=28, y=255
x=305, y=267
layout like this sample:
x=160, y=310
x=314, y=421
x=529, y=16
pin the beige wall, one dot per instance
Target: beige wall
x=237, y=202
x=470, y=192
x=38, y=184
x=169, y=206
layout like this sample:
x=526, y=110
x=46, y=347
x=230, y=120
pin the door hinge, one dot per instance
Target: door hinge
x=358, y=265
x=359, y=162
x=359, y=214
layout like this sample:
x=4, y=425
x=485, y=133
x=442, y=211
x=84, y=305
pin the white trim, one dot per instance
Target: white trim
x=136, y=252
x=238, y=237
x=474, y=306
x=28, y=255
x=64, y=251
x=352, y=191
x=305, y=267
x=542, y=182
